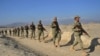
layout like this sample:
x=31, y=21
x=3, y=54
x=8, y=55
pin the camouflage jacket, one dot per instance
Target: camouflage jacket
x=40, y=27
x=55, y=26
x=32, y=27
x=77, y=28
x=26, y=28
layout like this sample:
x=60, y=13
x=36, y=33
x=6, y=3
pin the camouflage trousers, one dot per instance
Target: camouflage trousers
x=78, y=40
x=32, y=34
x=40, y=33
x=56, y=36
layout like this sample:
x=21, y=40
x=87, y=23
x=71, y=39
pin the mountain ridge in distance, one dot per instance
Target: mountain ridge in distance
x=62, y=22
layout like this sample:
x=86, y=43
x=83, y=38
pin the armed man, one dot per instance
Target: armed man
x=6, y=32
x=18, y=31
x=22, y=31
x=26, y=30
x=2, y=32
x=15, y=31
x=10, y=32
x=78, y=31
x=41, y=30
x=32, y=27
x=56, y=32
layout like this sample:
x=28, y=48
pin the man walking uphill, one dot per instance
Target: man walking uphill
x=40, y=31
x=26, y=29
x=56, y=32
x=32, y=27
x=22, y=31
x=78, y=31
x=10, y=32
x=6, y=32
x=18, y=31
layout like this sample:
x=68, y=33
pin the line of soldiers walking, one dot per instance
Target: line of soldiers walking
x=56, y=32
x=23, y=31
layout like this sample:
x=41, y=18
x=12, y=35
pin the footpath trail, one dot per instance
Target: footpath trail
x=49, y=50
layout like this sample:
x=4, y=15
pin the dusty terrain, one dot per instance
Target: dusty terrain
x=92, y=44
x=9, y=47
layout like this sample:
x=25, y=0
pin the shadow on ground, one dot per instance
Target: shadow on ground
x=94, y=43
x=70, y=42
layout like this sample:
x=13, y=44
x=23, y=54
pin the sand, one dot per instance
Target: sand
x=10, y=47
x=92, y=45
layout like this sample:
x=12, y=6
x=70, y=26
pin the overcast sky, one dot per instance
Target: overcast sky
x=33, y=10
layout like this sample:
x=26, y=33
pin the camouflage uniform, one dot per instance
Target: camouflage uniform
x=78, y=31
x=5, y=32
x=32, y=26
x=2, y=32
x=22, y=31
x=18, y=31
x=10, y=32
x=77, y=28
x=15, y=31
x=26, y=29
x=40, y=30
x=56, y=32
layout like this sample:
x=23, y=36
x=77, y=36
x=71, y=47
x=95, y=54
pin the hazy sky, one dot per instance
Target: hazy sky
x=32, y=10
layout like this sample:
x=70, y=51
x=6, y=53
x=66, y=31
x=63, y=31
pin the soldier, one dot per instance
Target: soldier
x=15, y=32
x=18, y=31
x=56, y=32
x=26, y=29
x=2, y=32
x=78, y=31
x=32, y=27
x=10, y=32
x=5, y=32
x=22, y=31
x=41, y=30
